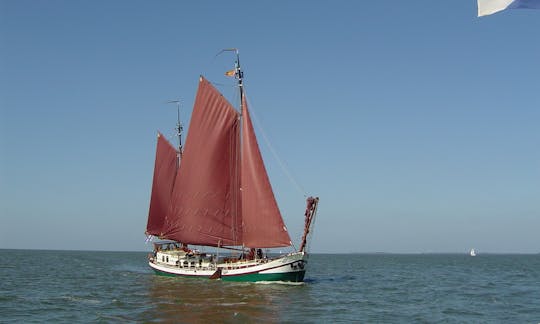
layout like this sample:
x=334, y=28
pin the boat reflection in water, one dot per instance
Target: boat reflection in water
x=191, y=300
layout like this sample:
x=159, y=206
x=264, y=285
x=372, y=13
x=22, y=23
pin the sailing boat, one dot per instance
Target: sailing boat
x=472, y=252
x=216, y=194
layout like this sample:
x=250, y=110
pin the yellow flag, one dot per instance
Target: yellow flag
x=230, y=73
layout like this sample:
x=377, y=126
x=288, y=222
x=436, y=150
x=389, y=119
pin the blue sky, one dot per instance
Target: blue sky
x=415, y=121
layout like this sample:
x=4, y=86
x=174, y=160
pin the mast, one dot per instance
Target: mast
x=179, y=128
x=239, y=75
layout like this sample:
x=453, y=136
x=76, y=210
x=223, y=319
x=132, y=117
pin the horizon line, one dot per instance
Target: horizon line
x=335, y=253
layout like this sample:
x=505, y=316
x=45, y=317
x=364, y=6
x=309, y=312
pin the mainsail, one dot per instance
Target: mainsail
x=204, y=200
x=221, y=194
x=164, y=174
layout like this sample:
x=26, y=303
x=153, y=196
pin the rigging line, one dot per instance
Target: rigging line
x=294, y=246
x=274, y=152
x=218, y=84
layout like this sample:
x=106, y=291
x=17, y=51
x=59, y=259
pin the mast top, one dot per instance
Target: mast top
x=237, y=72
x=179, y=128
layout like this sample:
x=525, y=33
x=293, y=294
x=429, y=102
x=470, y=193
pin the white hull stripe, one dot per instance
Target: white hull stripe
x=231, y=272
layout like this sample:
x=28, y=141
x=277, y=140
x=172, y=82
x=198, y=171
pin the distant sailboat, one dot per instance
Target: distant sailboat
x=472, y=252
x=216, y=193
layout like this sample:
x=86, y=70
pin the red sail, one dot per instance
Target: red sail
x=262, y=223
x=162, y=185
x=204, y=205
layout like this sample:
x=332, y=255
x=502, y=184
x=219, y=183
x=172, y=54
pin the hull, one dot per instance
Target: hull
x=288, y=268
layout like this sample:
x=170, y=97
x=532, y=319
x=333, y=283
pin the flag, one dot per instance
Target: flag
x=230, y=73
x=488, y=7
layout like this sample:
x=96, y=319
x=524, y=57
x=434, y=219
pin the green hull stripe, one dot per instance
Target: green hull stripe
x=297, y=276
x=168, y=274
x=165, y=274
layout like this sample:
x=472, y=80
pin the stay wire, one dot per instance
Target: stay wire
x=281, y=163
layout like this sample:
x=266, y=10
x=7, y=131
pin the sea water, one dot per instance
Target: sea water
x=119, y=287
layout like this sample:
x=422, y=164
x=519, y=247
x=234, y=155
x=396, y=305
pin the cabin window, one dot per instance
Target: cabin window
x=167, y=259
x=162, y=258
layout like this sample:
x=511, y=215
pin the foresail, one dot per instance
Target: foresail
x=204, y=206
x=164, y=173
x=262, y=225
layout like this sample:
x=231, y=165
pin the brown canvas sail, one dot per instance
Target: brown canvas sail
x=204, y=207
x=221, y=195
x=262, y=224
x=164, y=174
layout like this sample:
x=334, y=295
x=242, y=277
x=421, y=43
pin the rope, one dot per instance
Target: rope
x=281, y=163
